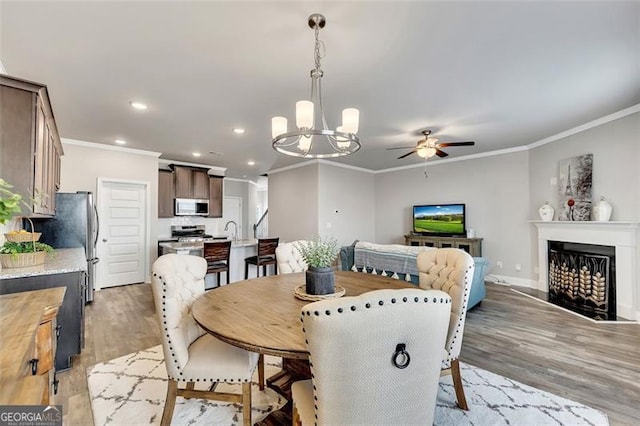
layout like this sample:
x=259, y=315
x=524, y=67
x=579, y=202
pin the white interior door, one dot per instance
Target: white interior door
x=122, y=242
x=232, y=210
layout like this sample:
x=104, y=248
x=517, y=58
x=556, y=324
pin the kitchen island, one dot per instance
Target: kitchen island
x=240, y=250
x=62, y=268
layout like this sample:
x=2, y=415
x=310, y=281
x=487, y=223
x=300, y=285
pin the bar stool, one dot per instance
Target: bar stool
x=217, y=256
x=266, y=256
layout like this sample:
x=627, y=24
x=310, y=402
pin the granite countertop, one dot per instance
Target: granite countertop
x=198, y=246
x=59, y=262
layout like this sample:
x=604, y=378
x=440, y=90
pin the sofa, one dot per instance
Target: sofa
x=399, y=261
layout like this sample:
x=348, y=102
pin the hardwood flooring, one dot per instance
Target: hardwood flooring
x=509, y=334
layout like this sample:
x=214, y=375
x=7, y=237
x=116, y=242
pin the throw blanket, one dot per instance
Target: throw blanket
x=388, y=257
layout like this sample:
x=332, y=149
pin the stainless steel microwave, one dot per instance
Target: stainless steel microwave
x=191, y=207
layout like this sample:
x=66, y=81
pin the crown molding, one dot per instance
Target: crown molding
x=94, y=145
x=320, y=161
x=583, y=127
x=214, y=170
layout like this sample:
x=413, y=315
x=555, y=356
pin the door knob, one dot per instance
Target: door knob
x=104, y=240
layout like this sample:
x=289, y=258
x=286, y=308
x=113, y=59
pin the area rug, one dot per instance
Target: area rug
x=131, y=390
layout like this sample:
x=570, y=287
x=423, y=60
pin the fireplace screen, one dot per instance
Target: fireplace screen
x=582, y=279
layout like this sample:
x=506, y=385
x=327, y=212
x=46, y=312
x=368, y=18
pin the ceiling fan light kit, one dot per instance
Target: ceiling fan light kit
x=428, y=147
x=312, y=137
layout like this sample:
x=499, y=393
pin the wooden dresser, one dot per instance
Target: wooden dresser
x=28, y=324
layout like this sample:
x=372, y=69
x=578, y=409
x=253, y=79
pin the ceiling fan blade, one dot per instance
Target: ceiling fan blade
x=441, y=153
x=400, y=147
x=406, y=155
x=469, y=143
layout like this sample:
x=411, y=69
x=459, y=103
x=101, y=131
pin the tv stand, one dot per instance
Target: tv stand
x=473, y=246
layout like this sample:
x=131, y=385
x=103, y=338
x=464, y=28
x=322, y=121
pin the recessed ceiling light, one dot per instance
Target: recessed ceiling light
x=138, y=105
x=196, y=154
x=121, y=142
x=238, y=130
x=251, y=163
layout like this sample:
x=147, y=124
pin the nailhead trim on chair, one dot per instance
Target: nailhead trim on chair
x=164, y=310
x=353, y=308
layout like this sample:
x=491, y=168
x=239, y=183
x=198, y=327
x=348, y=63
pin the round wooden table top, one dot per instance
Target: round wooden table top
x=262, y=314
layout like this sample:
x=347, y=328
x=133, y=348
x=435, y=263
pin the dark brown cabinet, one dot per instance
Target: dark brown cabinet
x=215, y=196
x=191, y=182
x=166, y=193
x=30, y=147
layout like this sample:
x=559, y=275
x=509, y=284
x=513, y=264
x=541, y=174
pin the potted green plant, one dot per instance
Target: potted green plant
x=21, y=248
x=319, y=254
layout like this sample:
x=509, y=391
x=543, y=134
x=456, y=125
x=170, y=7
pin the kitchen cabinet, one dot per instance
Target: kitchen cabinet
x=166, y=193
x=70, y=315
x=30, y=147
x=191, y=182
x=215, y=196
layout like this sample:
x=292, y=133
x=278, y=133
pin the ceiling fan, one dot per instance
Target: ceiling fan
x=428, y=147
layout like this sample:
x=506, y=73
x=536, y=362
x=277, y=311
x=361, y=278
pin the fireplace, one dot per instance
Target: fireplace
x=625, y=272
x=582, y=278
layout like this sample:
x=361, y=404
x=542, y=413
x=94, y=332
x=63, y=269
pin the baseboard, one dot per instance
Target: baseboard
x=507, y=280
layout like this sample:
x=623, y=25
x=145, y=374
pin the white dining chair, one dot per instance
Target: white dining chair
x=191, y=354
x=450, y=270
x=375, y=358
x=289, y=258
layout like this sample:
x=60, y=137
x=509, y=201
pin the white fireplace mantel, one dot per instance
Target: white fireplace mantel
x=624, y=236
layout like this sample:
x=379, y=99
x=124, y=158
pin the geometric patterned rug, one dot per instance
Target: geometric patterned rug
x=131, y=390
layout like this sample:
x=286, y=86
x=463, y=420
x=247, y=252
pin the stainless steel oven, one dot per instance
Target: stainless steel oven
x=191, y=207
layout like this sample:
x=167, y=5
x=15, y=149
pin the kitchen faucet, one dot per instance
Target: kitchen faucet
x=235, y=225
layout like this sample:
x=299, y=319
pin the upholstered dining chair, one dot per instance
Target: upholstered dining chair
x=450, y=270
x=375, y=358
x=191, y=354
x=217, y=256
x=289, y=259
x=266, y=256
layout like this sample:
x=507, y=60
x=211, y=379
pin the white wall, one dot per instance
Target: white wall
x=346, y=204
x=239, y=188
x=293, y=203
x=494, y=189
x=83, y=164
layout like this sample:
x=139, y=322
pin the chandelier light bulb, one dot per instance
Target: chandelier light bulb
x=305, y=143
x=304, y=114
x=350, y=120
x=278, y=126
x=343, y=143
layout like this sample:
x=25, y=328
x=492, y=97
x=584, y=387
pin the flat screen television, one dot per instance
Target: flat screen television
x=447, y=220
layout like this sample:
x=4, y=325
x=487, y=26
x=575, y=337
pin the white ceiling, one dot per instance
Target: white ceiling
x=503, y=74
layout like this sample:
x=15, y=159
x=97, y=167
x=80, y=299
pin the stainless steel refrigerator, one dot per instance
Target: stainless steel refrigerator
x=76, y=224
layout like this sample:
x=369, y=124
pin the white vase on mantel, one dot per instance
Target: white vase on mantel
x=546, y=212
x=602, y=210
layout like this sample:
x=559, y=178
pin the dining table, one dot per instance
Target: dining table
x=263, y=315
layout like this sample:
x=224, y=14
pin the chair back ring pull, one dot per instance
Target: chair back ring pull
x=401, y=358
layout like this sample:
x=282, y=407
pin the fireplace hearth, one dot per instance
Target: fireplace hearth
x=581, y=278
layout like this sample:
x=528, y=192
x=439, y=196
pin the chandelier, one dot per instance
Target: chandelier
x=312, y=137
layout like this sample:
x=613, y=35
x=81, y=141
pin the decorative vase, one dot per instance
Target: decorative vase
x=602, y=210
x=546, y=212
x=320, y=281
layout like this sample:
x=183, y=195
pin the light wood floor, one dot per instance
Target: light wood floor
x=509, y=334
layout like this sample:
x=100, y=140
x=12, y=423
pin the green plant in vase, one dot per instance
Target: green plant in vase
x=319, y=254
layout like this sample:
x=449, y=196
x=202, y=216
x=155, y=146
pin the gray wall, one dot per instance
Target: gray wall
x=240, y=188
x=346, y=204
x=293, y=203
x=616, y=166
x=494, y=189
